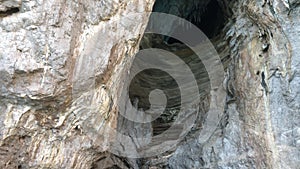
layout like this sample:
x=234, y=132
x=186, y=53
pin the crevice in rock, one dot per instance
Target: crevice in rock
x=9, y=12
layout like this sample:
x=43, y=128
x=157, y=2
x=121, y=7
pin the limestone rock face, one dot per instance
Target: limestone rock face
x=63, y=65
x=52, y=53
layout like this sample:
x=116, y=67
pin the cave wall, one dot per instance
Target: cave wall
x=260, y=128
x=59, y=62
x=51, y=103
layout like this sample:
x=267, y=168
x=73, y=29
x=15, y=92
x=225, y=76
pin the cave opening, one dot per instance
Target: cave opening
x=210, y=17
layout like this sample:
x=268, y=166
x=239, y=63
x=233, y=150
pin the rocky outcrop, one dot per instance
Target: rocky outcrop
x=64, y=65
x=52, y=54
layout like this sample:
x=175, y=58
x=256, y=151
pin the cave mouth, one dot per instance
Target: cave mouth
x=210, y=17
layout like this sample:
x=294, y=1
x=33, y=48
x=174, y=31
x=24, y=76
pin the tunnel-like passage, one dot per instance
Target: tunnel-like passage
x=209, y=16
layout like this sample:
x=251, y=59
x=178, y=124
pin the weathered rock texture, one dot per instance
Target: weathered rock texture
x=57, y=112
x=261, y=122
x=48, y=51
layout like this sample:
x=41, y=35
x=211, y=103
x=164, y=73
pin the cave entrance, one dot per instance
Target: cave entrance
x=210, y=17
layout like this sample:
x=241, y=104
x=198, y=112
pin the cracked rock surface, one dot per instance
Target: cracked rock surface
x=49, y=52
x=63, y=65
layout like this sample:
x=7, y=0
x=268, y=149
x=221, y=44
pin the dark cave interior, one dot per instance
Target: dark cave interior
x=210, y=17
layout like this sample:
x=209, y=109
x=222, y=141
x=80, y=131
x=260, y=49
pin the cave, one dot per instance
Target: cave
x=210, y=18
x=126, y=84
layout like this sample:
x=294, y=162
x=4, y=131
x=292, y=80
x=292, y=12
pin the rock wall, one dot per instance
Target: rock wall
x=261, y=122
x=52, y=53
x=64, y=63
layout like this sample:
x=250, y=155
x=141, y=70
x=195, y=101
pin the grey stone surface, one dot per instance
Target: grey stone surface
x=64, y=63
x=260, y=124
x=56, y=57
